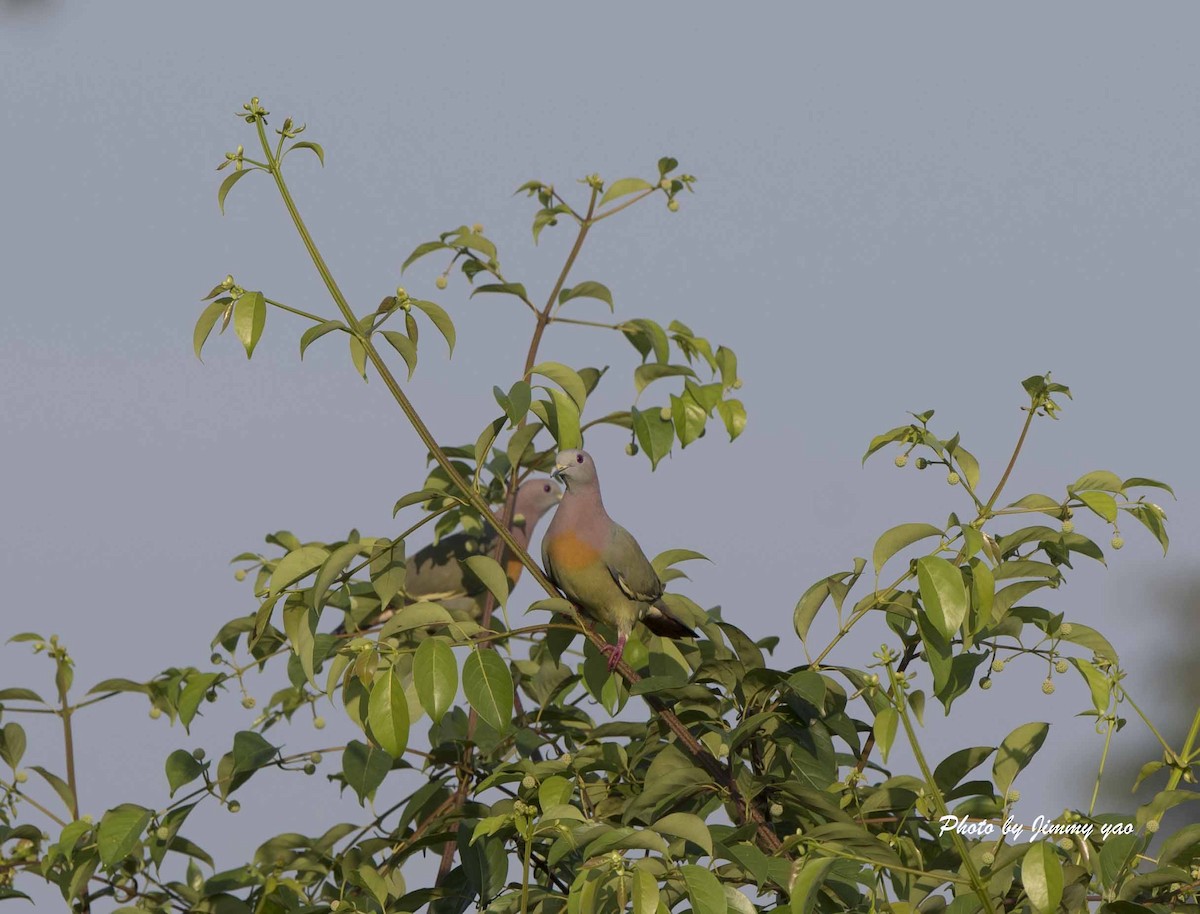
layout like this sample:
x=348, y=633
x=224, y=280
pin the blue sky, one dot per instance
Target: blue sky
x=898, y=207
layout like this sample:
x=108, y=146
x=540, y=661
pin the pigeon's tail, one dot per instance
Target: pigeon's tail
x=662, y=621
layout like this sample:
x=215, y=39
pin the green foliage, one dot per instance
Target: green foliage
x=701, y=777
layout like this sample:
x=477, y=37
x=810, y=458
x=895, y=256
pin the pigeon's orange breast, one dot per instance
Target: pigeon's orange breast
x=569, y=553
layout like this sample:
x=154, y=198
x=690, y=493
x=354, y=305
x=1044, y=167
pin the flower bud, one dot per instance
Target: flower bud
x=529, y=782
x=665, y=414
x=319, y=723
x=673, y=206
x=901, y=460
x=631, y=449
x=1061, y=666
x=234, y=806
x=1048, y=686
x=952, y=478
x=441, y=282
x=248, y=702
x=1117, y=542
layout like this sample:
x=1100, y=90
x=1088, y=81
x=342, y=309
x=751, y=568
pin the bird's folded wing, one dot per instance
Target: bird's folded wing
x=630, y=568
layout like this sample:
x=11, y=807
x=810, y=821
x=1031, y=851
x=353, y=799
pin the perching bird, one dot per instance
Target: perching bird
x=437, y=573
x=598, y=564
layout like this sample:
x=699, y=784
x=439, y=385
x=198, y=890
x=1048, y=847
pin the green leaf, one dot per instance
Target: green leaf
x=205, y=323
x=807, y=887
x=297, y=564
x=689, y=418
x=488, y=570
x=554, y=791
x=440, y=319
x=942, y=593
x=687, y=826
x=387, y=568
x=364, y=767
x=886, y=722
x=488, y=685
x=666, y=559
x=587, y=289
x=1138, y=482
x=516, y=402
x=566, y=378
x=421, y=250
x=61, y=787
x=1101, y=503
x=733, y=414
x=403, y=345
x=315, y=332
x=1016, y=752
x=249, y=318
x=1042, y=877
x=1097, y=479
x=313, y=147
x=182, y=768
x=520, y=441
x=119, y=832
x=502, y=288
x=12, y=744
x=416, y=615
x=646, y=336
x=1037, y=502
x=358, y=356
x=900, y=433
x=387, y=713
x=898, y=538
x=251, y=752
x=19, y=694
x=645, y=893
x=227, y=186
x=646, y=374
x=969, y=466
x=654, y=433
x=704, y=890
x=331, y=569
x=620, y=189
x=561, y=416
x=1097, y=682
x=1151, y=518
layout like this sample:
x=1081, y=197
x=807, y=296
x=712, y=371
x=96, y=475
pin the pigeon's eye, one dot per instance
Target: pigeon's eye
x=546, y=488
x=579, y=458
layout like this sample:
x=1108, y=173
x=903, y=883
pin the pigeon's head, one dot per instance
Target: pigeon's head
x=575, y=469
x=535, y=498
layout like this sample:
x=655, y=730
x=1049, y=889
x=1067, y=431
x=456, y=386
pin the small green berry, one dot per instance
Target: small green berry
x=441, y=282
x=665, y=183
x=921, y=463
x=673, y=206
x=529, y=782
x=210, y=696
x=248, y=702
x=240, y=574
x=22, y=777
x=214, y=658
x=319, y=723
x=988, y=858
x=162, y=833
x=1068, y=526
x=776, y=810
x=1048, y=686
x=985, y=683
x=901, y=460
x=315, y=757
x=952, y=479
x=631, y=449
x=1061, y=666
x=310, y=768
x=155, y=713
x=1117, y=542
x=234, y=806
x=998, y=666
x=665, y=414
x=198, y=754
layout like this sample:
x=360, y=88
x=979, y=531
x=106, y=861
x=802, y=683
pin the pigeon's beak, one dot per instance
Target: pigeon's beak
x=557, y=475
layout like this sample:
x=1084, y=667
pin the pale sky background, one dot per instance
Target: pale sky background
x=898, y=207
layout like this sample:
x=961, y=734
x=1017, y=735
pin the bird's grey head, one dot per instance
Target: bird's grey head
x=535, y=498
x=575, y=469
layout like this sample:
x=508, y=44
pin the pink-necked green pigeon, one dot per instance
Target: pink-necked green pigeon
x=437, y=572
x=598, y=564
